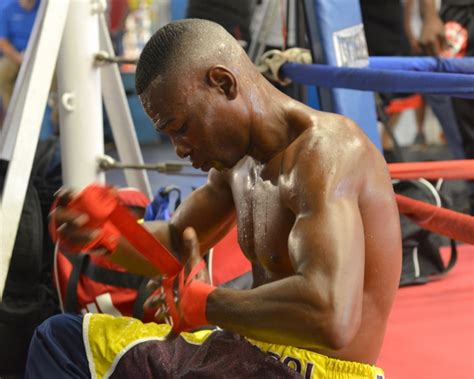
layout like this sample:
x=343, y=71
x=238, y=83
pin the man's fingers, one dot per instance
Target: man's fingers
x=64, y=215
x=77, y=236
x=155, y=300
x=161, y=314
x=191, y=245
x=64, y=196
x=154, y=283
x=436, y=47
x=443, y=43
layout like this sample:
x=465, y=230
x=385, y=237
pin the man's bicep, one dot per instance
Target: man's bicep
x=326, y=247
x=209, y=210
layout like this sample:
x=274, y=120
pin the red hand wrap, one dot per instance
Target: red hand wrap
x=193, y=300
x=105, y=213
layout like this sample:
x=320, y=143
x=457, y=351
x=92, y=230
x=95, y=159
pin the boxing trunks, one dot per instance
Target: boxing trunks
x=117, y=347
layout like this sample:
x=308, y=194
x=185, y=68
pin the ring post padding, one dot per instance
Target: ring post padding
x=341, y=36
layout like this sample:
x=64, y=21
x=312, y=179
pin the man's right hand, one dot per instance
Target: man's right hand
x=68, y=226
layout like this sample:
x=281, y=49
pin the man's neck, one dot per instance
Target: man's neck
x=274, y=125
x=270, y=132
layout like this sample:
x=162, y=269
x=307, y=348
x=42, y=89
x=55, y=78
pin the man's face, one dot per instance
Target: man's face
x=203, y=123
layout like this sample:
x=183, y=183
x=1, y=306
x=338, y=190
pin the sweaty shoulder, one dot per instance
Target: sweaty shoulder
x=333, y=149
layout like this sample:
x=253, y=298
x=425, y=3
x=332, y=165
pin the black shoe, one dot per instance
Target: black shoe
x=419, y=139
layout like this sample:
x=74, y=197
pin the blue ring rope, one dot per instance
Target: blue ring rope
x=434, y=64
x=380, y=80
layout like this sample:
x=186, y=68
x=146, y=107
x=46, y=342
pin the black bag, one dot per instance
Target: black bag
x=29, y=297
x=422, y=260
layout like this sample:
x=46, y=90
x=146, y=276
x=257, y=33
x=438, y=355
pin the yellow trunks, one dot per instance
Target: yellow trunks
x=108, y=338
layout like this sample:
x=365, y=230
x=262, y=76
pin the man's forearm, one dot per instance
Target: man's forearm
x=10, y=51
x=129, y=258
x=282, y=312
x=427, y=9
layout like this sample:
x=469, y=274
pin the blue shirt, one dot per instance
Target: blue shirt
x=16, y=23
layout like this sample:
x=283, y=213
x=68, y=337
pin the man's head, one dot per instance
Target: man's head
x=191, y=77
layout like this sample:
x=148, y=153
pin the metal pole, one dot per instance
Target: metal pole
x=259, y=39
x=35, y=92
x=11, y=123
x=80, y=98
x=120, y=118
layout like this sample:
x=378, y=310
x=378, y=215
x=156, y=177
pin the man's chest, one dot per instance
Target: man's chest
x=263, y=222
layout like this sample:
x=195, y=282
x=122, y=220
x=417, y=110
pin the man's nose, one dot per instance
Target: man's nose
x=181, y=150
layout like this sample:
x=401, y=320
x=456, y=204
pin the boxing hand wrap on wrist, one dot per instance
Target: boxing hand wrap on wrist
x=194, y=302
x=106, y=213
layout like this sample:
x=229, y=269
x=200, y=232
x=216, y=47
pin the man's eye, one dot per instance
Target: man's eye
x=182, y=129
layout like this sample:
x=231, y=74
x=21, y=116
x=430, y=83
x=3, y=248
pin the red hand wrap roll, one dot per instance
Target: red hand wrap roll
x=108, y=235
x=105, y=213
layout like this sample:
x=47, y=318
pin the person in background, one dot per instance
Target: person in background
x=441, y=105
x=17, y=18
x=384, y=25
x=118, y=11
x=458, y=19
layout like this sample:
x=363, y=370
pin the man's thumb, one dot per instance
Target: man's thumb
x=191, y=243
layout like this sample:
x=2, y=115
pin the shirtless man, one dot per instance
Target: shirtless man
x=311, y=196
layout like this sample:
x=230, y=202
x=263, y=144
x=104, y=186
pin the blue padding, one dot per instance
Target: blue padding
x=451, y=65
x=368, y=79
x=178, y=9
x=334, y=16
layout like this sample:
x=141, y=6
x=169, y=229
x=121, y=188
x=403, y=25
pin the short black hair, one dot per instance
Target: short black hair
x=188, y=38
x=156, y=54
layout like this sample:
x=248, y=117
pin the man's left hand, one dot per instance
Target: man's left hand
x=158, y=300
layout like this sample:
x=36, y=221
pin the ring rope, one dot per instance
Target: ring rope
x=368, y=79
x=455, y=169
x=442, y=76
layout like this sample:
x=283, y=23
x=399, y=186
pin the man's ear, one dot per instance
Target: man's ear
x=224, y=80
